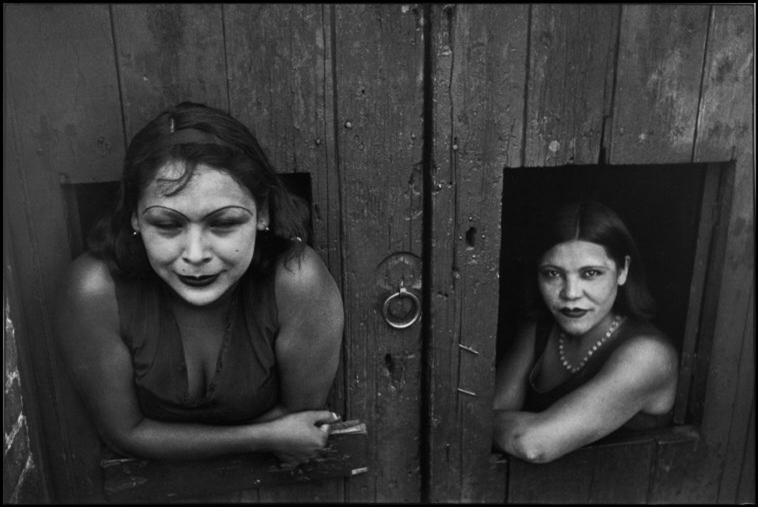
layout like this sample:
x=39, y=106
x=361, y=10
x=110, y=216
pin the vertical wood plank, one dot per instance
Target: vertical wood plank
x=660, y=65
x=746, y=487
x=571, y=64
x=565, y=480
x=378, y=68
x=20, y=394
x=280, y=86
x=60, y=70
x=675, y=479
x=738, y=449
x=688, y=361
x=62, y=124
x=621, y=472
x=479, y=60
x=168, y=53
x=725, y=131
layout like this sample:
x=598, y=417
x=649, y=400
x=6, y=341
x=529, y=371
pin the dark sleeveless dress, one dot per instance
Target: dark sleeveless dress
x=245, y=384
x=537, y=401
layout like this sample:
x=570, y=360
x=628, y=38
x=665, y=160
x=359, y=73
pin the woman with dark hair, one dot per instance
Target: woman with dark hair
x=588, y=361
x=200, y=323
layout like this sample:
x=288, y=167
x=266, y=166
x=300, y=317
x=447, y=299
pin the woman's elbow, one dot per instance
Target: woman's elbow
x=532, y=449
x=125, y=441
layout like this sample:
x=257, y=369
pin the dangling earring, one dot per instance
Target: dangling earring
x=267, y=229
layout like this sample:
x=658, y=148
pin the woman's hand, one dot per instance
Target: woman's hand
x=297, y=437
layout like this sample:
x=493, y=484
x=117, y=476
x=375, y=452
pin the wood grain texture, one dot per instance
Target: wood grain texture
x=281, y=87
x=565, y=480
x=168, y=53
x=479, y=57
x=63, y=124
x=224, y=479
x=725, y=131
x=674, y=479
x=280, y=80
x=60, y=69
x=746, y=487
x=25, y=480
x=739, y=451
x=621, y=473
x=571, y=65
x=706, y=223
x=378, y=68
x=658, y=79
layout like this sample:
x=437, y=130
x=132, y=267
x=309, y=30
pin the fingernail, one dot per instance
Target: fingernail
x=324, y=428
x=335, y=416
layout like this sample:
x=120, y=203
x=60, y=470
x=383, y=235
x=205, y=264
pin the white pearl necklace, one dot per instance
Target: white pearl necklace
x=573, y=369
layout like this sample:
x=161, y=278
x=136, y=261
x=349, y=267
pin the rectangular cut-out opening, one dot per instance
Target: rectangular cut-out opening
x=674, y=212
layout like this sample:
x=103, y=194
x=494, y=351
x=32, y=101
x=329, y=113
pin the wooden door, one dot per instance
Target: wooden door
x=335, y=96
x=399, y=122
x=520, y=87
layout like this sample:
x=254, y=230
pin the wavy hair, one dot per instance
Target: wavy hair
x=222, y=142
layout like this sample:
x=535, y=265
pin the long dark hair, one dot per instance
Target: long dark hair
x=596, y=223
x=217, y=140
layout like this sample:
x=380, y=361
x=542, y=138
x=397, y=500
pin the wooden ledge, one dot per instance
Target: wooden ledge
x=132, y=480
x=659, y=436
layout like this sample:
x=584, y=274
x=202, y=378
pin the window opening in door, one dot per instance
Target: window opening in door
x=671, y=211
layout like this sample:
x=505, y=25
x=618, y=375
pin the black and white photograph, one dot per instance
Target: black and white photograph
x=379, y=253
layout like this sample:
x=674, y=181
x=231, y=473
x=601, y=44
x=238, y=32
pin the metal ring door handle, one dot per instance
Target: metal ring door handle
x=415, y=314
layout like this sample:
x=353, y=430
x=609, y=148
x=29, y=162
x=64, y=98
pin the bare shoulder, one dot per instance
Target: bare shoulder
x=304, y=272
x=88, y=294
x=304, y=285
x=88, y=278
x=647, y=355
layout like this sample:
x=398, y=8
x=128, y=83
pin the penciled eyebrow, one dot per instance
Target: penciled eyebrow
x=582, y=268
x=214, y=212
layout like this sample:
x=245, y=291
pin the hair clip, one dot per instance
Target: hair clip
x=171, y=126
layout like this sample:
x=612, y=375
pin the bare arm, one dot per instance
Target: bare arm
x=100, y=366
x=639, y=375
x=311, y=320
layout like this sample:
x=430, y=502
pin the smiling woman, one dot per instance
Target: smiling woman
x=200, y=323
x=587, y=361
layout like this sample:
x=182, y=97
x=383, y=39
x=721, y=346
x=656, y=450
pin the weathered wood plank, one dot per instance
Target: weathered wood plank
x=738, y=449
x=571, y=65
x=63, y=124
x=674, y=479
x=20, y=398
x=687, y=364
x=660, y=65
x=621, y=472
x=61, y=73
x=168, y=53
x=280, y=85
x=378, y=68
x=565, y=480
x=134, y=480
x=479, y=57
x=746, y=488
x=725, y=131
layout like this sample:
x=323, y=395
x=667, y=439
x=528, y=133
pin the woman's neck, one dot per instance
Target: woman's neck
x=593, y=334
x=201, y=316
